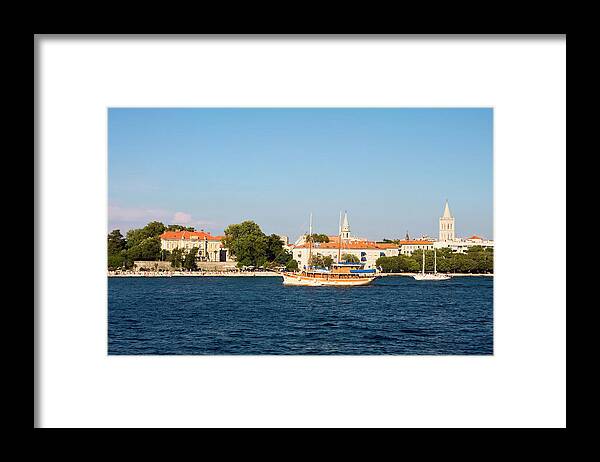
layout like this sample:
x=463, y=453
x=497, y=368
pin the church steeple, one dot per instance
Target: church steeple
x=446, y=225
x=345, y=227
x=447, y=213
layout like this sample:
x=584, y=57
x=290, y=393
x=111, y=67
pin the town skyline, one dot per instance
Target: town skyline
x=391, y=169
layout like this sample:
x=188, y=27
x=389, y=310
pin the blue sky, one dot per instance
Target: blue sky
x=391, y=169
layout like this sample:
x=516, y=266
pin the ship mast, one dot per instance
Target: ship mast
x=340, y=238
x=423, y=266
x=434, y=262
x=309, y=241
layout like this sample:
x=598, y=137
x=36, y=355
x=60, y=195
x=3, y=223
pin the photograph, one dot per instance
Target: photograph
x=300, y=231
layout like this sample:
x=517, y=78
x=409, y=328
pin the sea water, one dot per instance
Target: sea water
x=395, y=315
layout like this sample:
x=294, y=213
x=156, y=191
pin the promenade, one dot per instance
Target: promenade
x=449, y=274
x=164, y=274
x=123, y=274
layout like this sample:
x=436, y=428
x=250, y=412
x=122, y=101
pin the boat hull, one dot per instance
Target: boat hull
x=299, y=280
x=431, y=277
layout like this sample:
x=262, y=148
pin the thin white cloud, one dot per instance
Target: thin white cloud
x=182, y=218
x=126, y=214
x=134, y=217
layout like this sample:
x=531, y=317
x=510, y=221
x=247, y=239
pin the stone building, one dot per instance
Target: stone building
x=408, y=246
x=366, y=251
x=210, y=247
x=447, y=236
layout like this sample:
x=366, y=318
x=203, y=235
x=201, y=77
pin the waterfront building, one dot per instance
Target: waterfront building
x=460, y=245
x=448, y=239
x=210, y=247
x=366, y=251
x=408, y=246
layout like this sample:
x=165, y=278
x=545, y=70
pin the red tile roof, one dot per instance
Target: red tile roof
x=475, y=237
x=357, y=245
x=179, y=235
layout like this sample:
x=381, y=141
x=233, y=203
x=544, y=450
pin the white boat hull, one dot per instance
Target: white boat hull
x=299, y=280
x=431, y=277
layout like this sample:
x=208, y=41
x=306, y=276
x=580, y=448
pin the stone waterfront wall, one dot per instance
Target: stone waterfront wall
x=152, y=265
x=216, y=266
x=166, y=266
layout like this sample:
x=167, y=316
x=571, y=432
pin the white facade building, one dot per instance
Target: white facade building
x=448, y=239
x=461, y=245
x=209, y=247
x=367, y=252
x=408, y=246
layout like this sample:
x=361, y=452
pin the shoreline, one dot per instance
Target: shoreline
x=449, y=274
x=166, y=274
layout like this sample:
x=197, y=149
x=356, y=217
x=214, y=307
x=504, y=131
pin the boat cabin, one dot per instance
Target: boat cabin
x=346, y=267
x=342, y=270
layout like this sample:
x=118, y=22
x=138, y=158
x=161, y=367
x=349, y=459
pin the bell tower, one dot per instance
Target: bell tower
x=447, y=225
x=345, y=231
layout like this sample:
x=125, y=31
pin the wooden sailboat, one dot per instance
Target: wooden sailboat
x=341, y=274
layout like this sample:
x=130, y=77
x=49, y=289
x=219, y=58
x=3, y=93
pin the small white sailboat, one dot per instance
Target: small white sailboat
x=422, y=276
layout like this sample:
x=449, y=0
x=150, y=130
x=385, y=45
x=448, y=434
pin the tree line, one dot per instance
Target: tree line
x=245, y=241
x=252, y=247
x=144, y=244
x=476, y=259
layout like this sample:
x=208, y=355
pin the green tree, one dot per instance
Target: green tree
x=389, y=241
x=291, y=265
x=148, y=249
x=319, y=260
x=136, y=236
x=116, y=242
x=274, y=248
x=154, y=229
x=144, y=243
x=476, y=259
x=397, y=264
x=189, y=260
x=116, y=252
x=116, y=261
x=247, y=243
x=283, y=257
x=176, y=258
x=317, y=238
x=350, y=258
x=180, y=228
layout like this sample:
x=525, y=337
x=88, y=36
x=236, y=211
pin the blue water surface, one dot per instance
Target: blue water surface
x=260, y=316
